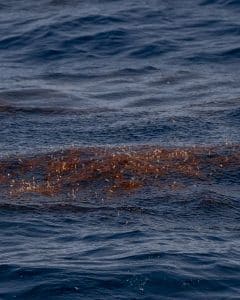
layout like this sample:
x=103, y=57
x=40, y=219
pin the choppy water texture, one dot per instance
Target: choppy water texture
x=119, y=149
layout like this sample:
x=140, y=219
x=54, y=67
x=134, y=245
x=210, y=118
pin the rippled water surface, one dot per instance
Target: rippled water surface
x=119, y=149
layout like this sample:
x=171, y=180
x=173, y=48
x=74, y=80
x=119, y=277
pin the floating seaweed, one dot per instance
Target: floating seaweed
x=114, y=169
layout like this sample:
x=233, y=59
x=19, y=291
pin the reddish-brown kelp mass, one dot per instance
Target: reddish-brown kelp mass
x=113, y=170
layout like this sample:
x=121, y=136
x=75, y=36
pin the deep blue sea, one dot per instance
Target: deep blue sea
x=119, y=149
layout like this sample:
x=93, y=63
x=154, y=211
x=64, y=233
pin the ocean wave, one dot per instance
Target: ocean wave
x=98, y=35
x=223, y=3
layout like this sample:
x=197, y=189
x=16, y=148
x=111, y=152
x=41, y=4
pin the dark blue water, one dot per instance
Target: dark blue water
x=109, y=73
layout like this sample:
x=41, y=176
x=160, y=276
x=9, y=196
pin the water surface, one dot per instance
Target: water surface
x=119, y=149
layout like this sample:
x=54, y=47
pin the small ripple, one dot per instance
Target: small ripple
x=153, y=49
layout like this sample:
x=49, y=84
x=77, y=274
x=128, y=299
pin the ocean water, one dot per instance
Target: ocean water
x=119, y=149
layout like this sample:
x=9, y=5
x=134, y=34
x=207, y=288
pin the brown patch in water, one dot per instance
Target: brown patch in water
x=113, y=170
